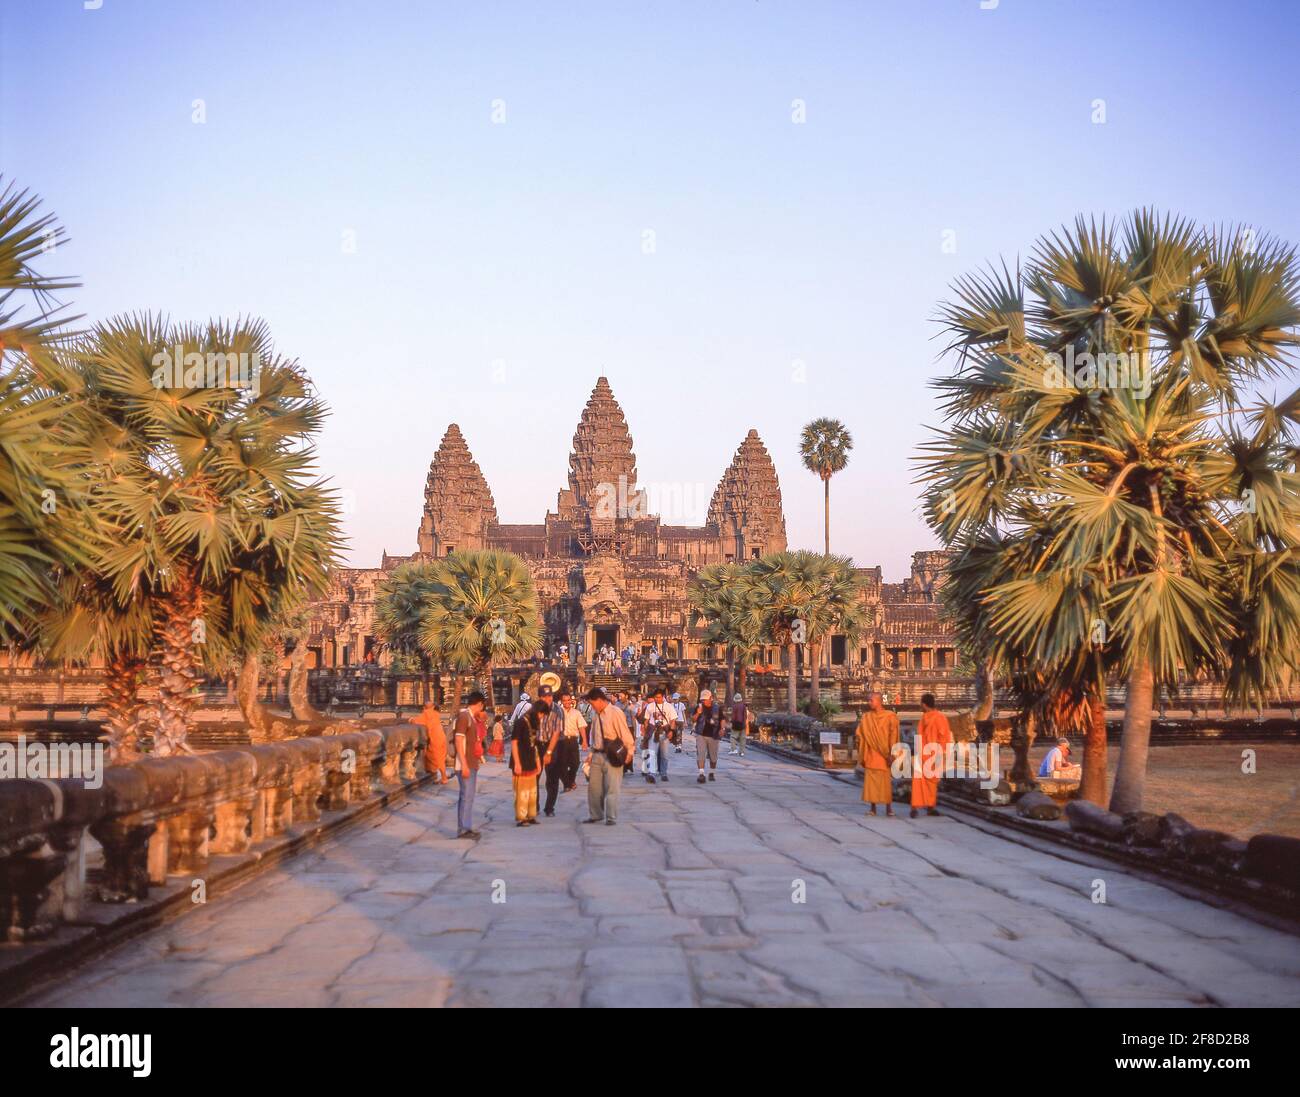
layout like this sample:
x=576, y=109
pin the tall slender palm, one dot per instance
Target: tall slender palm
x=481, y=609
x=1125, y=513
x=824, y=448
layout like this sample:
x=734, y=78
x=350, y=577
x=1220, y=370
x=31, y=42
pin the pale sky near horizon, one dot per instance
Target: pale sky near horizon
x=443, y=210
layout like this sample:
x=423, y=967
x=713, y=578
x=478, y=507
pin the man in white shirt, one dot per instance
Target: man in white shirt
x=679, y=707
x=659, y=720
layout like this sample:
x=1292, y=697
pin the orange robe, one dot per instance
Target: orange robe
x=931, y=731
x=877, y=736
x=435, y=754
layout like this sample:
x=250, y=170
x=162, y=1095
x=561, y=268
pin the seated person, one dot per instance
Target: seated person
x=1057, y=764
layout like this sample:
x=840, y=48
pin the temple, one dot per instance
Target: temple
x=609, y=572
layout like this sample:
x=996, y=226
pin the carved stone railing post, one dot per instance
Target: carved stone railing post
x=273, y=805
x=235, y=801
x=412, y=740
x=336, y=775
x=367, y=746
x=308, y=778
x=389, y=763
x=31, y=890
x=125, y=842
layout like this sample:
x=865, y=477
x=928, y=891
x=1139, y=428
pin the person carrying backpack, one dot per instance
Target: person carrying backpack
x=611, y=745
x=740, y=719
x=708, y=731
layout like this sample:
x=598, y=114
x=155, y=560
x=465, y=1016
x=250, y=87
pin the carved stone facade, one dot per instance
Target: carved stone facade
x=609, y=572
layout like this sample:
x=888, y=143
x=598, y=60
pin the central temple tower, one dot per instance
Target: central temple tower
x=602, y=500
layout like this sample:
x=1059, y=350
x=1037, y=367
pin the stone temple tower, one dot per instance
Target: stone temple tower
x=746, y=506
x=458, y=505
x=602, y=500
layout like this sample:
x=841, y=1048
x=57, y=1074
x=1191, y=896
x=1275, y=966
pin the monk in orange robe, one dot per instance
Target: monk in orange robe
x=435, y=753
x=932, y=735
x=877, y=736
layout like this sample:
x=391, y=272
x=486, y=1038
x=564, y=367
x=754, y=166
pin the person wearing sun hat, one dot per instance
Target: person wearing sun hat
x=707, y=720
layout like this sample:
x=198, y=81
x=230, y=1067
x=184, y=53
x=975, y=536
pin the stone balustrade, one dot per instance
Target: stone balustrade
x=166, y=817
x=805, y=736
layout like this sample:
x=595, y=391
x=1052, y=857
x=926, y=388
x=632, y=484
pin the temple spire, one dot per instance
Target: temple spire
x=746, y=505
x=458, y=505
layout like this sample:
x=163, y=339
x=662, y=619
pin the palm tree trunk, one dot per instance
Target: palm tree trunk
x=425, y=695
x=742, y=667
x=121, y=700
x=177, y=673
x=826, y=480
x=983, y=691
x=488, y=691
x=249, y=704
x=792, y=679
x=731, y=673
x=299, y=702
x=1093, y=788
x=1133, y=749
x=814, y=674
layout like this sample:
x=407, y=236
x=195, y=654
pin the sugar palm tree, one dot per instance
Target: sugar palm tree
x=402, y=600
x=43, y=524
x=720, y=597
x=85, y=621
x=834, y=606
x=481, y=609
x=802, y=597
x=209, y=488
x=824, y=448
x=1129, y=513
x=774, y=585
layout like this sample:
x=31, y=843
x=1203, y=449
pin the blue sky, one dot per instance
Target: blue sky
x=354, y=183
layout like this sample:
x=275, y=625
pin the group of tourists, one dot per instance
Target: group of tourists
x=627, y=661
x=545, y=738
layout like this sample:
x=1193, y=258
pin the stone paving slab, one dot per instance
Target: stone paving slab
x=769, y=886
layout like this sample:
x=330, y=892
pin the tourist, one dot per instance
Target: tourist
x=1056, y=763
x=680, y=706
x=660, y=720
x=525, y=698
x=626, y=706
x=526, y=761
x=739, y=724
x=469, y=734
x=546, y=731
x=497, y=743
x=564, y=655
x=563, y=753
x=611, y=744
x=932, y=736
x=707, y=721
x=575, y=738
x=877, y=736
x=435, y=751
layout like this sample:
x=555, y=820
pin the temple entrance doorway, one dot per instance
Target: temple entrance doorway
x=606, y=634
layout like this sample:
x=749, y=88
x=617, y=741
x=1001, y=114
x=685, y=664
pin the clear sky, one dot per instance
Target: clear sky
x=443, y=209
